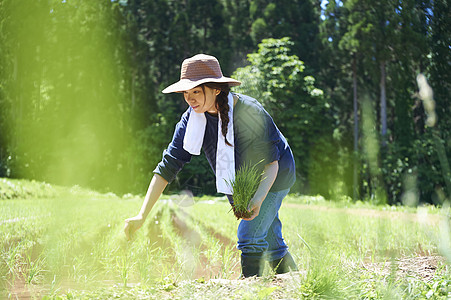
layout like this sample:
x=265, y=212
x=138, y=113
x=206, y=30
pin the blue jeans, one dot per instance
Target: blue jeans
x=264, y=233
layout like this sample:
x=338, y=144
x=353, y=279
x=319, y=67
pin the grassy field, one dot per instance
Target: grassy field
x=61, y=243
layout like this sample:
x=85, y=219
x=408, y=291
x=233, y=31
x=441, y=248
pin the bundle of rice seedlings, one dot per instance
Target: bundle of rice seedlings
x=247, y=180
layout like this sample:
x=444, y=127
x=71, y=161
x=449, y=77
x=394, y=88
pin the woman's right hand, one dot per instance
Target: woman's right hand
x=133, y=224
x=156, y=187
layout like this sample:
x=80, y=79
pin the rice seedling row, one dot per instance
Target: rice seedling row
x=218, y=253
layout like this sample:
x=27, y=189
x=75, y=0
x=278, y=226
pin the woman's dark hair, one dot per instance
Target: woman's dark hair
x=221, y=104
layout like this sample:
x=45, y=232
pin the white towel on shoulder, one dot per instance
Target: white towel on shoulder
x=225, y=154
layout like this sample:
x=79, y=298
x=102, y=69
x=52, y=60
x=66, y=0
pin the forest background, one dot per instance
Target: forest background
x=81, y=81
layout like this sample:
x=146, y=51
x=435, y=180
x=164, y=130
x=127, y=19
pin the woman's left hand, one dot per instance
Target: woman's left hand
x=254, y=207
x=269, y=175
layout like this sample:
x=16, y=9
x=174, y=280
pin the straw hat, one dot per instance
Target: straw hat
x=199, y=69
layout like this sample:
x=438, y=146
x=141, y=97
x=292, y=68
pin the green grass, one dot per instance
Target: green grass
x=14, y=188
x=70, y=245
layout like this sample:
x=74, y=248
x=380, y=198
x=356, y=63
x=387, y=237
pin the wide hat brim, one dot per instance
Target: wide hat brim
x=187, y=84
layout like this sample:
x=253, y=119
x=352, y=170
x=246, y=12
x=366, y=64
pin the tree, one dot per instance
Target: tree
x=439, y=19
x=276, y=78
x=354, y=26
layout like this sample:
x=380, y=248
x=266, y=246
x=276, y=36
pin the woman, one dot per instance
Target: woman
x=231, y=129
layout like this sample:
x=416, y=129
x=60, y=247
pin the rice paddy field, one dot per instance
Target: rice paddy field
x=68, y=243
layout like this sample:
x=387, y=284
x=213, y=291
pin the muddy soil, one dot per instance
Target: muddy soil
x=421, y=267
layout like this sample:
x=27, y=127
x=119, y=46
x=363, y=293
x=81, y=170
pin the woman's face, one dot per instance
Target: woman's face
x=202, y=102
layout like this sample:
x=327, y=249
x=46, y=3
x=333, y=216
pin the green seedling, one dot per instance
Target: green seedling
x=11, y=259
x=33, y=271
x=247, y=180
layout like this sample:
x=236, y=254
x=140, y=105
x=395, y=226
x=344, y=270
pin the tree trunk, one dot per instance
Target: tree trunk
x=383, y=105
x=133, y=90
x=16, y=109
x=356, y=128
